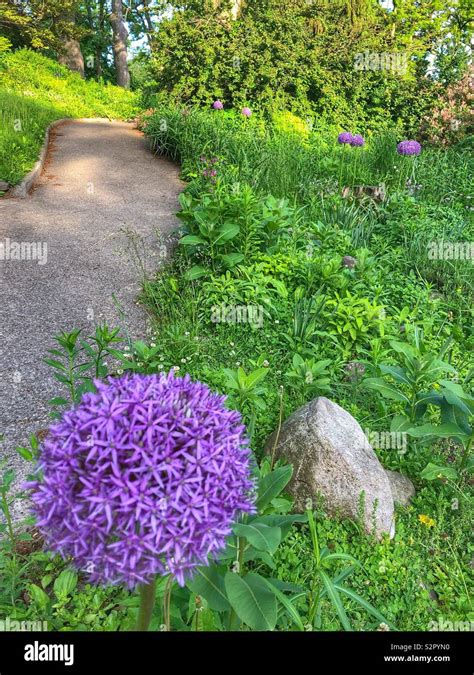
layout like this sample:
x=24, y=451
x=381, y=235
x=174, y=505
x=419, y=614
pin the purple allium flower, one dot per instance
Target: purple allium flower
x=357, y=140
x=409, y=148
x=246, y=112
x=146, y=476
x=218, y=105
x=345, y=137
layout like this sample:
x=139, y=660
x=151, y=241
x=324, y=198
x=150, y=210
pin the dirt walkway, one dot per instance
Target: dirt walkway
x=100, y=180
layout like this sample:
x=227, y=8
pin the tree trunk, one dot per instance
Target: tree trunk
x=119, y=45
x=71, y=55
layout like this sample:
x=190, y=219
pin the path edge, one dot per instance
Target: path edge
x=22, y=189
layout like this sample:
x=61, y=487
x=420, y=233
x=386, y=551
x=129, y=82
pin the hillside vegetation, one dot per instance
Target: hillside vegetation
x=35, y=91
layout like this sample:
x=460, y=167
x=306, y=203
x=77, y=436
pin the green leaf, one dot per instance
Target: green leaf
x=195, y=272
x=262, y=537
x=26, y=453
x=400, y=423
x=287, y=604
x=191, y=240
x=65, y=583
x=333, y=595
x=397, y=373
x=58, y=401
x=209, y=583
x=226, y=232
x=232, y=259
x=253, y=602
x=385, y=389
x=439, y=431
x=284, y=522
x=363, y=603
x=433, y=472
x=38, y=596
x=272, y=484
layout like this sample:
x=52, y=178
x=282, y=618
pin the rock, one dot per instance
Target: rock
x=402, y=488
x=4, y=186
x=332, y=457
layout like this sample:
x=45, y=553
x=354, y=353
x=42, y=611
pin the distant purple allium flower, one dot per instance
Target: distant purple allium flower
x=144, y=477
x=345, y=137
x=246, y=112
x=357, y=140
x=213, y=173
x=409, y=148
x=218, y=105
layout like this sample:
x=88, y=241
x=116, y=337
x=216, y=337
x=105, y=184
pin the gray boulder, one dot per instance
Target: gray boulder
x=402, y=488
x=332, y=457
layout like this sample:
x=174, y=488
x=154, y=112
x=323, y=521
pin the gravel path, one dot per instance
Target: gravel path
x=100, y=181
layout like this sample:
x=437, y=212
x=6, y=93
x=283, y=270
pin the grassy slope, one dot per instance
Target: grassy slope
x=35, y=91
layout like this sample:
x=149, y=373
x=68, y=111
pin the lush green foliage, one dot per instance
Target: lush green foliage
x=35, y=91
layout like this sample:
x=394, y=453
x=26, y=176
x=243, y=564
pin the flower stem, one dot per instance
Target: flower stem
x=167, y=603
x=147, y=603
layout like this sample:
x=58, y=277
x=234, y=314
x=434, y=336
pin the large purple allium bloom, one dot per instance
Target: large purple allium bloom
x=357, y=140
x=144, y=477
x=218, y=105
x=345, y=137
x=409, y=148
x=246, y=112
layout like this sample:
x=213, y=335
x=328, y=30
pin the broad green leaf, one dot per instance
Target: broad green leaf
x=256, y=376
x=65, y=583
x=433, y=471
x=457, y=389
x=191, y=240
x=385, y=389
x=210, y=584
x=253, y=602
x=284, y=522
x=396, y=372
x=226, y=232
x=272, y=484
x=439, y=431
x=263, y=537
x=195, y=272
x=400, y=423
x=454, y=415
x=232, y=259
x=39, y=597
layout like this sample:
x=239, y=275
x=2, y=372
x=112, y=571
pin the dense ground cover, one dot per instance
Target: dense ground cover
x=303, y=269
x=272, y=193
x=35, y=91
